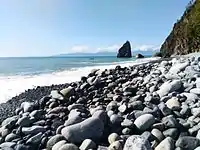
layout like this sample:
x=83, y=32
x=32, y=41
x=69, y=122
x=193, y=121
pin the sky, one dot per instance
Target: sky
x=51, y=27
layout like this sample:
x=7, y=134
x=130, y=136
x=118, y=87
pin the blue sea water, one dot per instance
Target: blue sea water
x=20, y=74
x=41, y=65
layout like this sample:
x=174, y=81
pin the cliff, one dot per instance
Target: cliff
x=185, y=36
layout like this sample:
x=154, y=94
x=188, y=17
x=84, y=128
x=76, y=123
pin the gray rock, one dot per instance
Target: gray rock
x=164, y=109
x=158, y=134
x=169, y=87
x=173, y=104
x=21, y=147
x=198, y=148
x=24, y=121
x=67, y=92
x=198, y=82
x=7, y=145
x=136, y=142
x=91, y=128
x=122, y=108
x=127, y=123
x=73, y=120
x=145, y=121
x=37, y=114
x=87, y=144
x=117, y=145
x=113, y=137
x=125, y=50
x=10, y=122
x=53, y=140
x=170, y=122
x=56, y=95
x=10, y=137
x=33, y=130
x=188, y=142
x=69, y=146
x=59, y=145
x=172, y=132
x=75, y=106
x=195, y=91
x=198, y=135
x=191, y=97
x=166, y=144
x=27, y=106
x=35, y=139
x=115, y=119
x=194, y=129
x=176, y=68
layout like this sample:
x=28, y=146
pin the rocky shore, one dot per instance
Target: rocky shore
x=144, y=107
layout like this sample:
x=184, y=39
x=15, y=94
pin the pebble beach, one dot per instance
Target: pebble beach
x=150, y=106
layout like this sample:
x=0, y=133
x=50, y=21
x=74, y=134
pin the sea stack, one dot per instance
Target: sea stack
x=125, y=51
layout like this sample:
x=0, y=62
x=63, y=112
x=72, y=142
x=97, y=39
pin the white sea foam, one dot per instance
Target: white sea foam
x=11, y=86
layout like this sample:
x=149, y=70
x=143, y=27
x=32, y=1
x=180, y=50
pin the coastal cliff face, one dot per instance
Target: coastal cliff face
x=125, y=51
x=185, y=36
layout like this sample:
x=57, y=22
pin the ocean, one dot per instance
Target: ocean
x=20, y=74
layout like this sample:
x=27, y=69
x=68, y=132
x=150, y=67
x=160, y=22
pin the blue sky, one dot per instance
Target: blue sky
x=49, y=27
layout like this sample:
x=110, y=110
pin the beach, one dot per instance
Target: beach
x=151, y=105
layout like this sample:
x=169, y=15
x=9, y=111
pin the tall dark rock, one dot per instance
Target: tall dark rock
x=185, y=35
x=125, y=51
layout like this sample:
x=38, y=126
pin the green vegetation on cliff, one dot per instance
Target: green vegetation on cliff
x=185, y=36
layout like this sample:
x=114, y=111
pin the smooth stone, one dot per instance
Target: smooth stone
x=91, y=128
x=24, y=121
x=37, y=114
x=198, y=148
x=100, y=147
x=173, y=104
x=27, y=106
x=194, y=129
x=10, y=122
x=159, y=126
x=115, y=119
x=122, y=108
x=56, y=95
x=148, y=136
x=10, y=137
x=127, y=123
x=136, y=142
x=68, y=146
x=164, y=109
x=74, y=120
x=117, y=145
x=87, y=144
x=35, y=139
x=67, y=92
x=187, y=142
x=33, y=130
x=167, y=144
x=172, y=132
x=169, y=87
x=5, y=132
x=191, y=97
x=195, y=91
x=59, y=144
x=113, y=137
x=176, y=68
x=7, y=145
x=75, y=106
x=21, y=147
x=158, y=134
x=170, y=122
x=53, y=140
x=126, y=131
x=198, y=135
x=145, y=121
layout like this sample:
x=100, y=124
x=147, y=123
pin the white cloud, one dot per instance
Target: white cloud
x=109, y=48
x=79, y=49
x=145, y=47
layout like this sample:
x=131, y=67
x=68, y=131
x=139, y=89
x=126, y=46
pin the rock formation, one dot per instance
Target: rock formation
x=139, y=56
x=125, y=51
x=185, y=36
